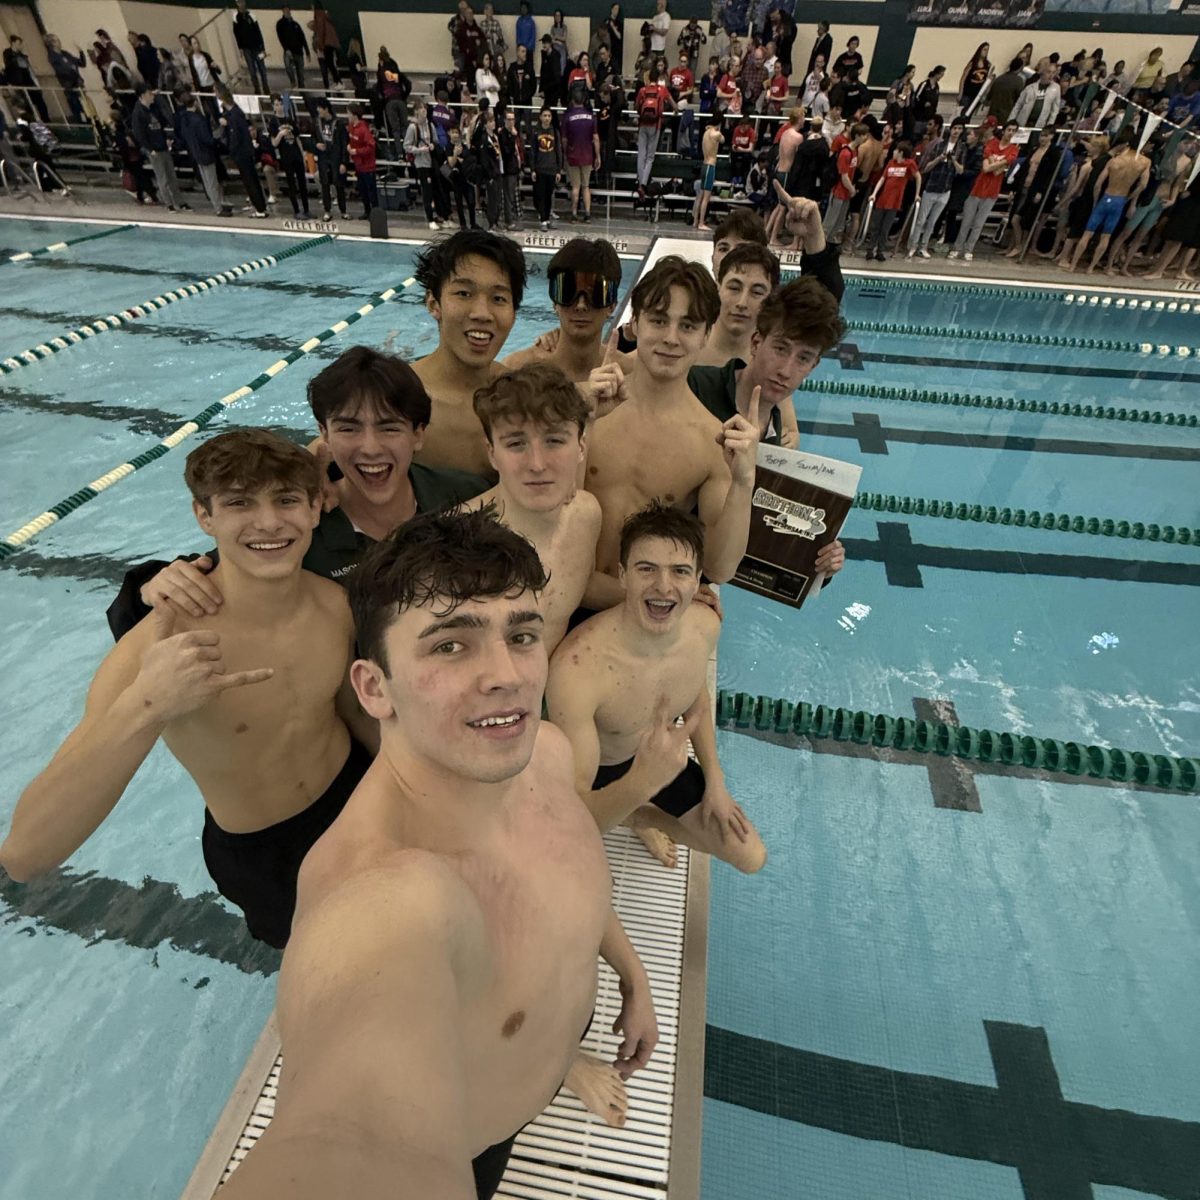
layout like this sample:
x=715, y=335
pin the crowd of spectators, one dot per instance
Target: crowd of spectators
x=889, y=167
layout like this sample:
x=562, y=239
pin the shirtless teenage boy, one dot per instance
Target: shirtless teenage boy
x=1124, y=176
x=443, y=966
x=710, y=144
x=619, y=680
x=661, y=443
x=584, y=281
x=473, y=285
x=373, y=415
x=254, y=702
x=534, y=420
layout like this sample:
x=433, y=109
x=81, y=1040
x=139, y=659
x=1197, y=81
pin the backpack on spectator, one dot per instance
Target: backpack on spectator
x=650, y=104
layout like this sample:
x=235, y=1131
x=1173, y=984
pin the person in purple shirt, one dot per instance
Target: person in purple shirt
x=583, y=149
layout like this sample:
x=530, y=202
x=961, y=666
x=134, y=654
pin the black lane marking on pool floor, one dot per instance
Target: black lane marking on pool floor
x=959, y=365
x=99, y=909
x=156, y=422
x=903, y=559
x=1059, y=1147
x=873, y=436
x=324, y=291
x=951, y=779
x=153, y=422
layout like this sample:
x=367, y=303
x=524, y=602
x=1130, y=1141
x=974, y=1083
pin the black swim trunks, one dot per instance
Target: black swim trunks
x=680, y=796
x=489, y=1167
x=258, y=870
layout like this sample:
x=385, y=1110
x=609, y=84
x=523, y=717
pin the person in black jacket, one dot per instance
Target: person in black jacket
x=394, y=88
x=249, y=37
x=823, y=46
x=196, y=134
x=146, y=127
x=332, y=140
x=295, y=46
x=146, y=57
x=239, y=145
x=285, y=137
x=551, y=79
x=522, y=84
x=19, y=74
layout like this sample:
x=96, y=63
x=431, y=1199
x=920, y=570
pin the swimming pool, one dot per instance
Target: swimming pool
x=949, y=983
x=129, y=995
x=886, y=929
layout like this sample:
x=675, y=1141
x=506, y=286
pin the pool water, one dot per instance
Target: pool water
x=912, y=1000
x=957, y=984
x=129, y=994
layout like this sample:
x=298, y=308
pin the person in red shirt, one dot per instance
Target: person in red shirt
x=651, y=102
x=843, y=189
x=729, y=95
x=998, y=157
x=777, y=92
x=681, y=81
x=362, y=151
x=582, y=71
x=888, y=198
x=741, y=148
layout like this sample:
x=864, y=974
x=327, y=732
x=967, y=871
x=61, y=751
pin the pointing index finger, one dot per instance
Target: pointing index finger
x=613, y=346
x=752, y=412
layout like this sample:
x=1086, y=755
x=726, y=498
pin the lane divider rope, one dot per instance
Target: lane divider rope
x=1143, y=416
x=25, y=255
x=21, y=537
x=1016, y=338
x=742, y=711
x=1050, y=295
x=73, y=337
x=989, y=514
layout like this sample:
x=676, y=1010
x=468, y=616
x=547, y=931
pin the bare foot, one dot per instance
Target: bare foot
x=660, y=846
x=1153, y=275
x=1184, y=277
x=599, y=1087
x=1066, y=266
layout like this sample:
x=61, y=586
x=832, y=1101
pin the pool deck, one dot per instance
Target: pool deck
x=631, y=238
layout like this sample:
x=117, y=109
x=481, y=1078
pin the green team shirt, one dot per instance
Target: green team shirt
x=337, y=546
x=716, y=389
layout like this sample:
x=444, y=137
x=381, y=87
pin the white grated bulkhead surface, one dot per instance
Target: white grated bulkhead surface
x=567, y=1152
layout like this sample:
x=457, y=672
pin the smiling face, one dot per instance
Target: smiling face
x=661, y=578
x=373, y=448
x=463, y=690
x=475, y=311
x=669, y=340
x=742, y=293
x=537, y=463
x=264, y=533
x=779, y=365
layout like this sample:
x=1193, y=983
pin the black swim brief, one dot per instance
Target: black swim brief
x=489, y=1167
x=680, y=796
x=258, y=870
